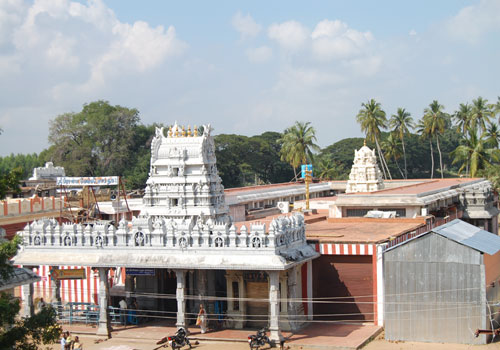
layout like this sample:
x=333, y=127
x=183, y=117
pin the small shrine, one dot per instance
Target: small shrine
x=365, y=174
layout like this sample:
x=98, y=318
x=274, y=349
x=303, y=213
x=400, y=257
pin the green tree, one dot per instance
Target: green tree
x=27, y=333
x=402, y=122
x=474, y=153
x=463, y=117
x=96, y=141
x=9, y=181
x=326, y=169
x=392, y=148
x=435, y=121
x=424, y=131
x=492, y=135
x=372, y=118
x=480, y=114
x=298, y=144
x=495, y=108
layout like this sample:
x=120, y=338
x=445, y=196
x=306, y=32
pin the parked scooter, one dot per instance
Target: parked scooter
x=259, y=339
x=178, y=340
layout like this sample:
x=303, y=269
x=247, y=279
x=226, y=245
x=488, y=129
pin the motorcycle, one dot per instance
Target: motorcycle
x=178, y=340
x=259, y=339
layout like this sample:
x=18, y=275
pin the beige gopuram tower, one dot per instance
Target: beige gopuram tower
x=365, y=174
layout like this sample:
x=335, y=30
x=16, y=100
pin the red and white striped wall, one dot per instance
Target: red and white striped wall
x=344, y=249
x=373, y=250
x=83, y=291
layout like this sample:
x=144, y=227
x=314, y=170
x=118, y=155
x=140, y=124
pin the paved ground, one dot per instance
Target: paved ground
x=320, y=336
x=326, y=336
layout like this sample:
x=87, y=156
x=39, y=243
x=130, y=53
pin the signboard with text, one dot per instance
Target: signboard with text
x=70, y=274
x=139, y=272
x=87, y=181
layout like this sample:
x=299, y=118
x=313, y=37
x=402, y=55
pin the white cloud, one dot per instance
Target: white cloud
x=260, y=54
x=291, y=35
x=245, y=25
x=412, y=32
x=472, y=22
x=334, y=40
x=56, y=55
x=10, y=16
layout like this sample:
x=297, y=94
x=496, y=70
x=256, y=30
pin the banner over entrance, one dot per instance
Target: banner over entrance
x=88, y=181
x=70, y=274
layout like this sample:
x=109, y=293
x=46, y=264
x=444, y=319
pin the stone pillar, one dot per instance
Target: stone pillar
x=181, y=301
x=274, y=308
x=104, y=328
x=55, y=289
x=242, y=302
x=28, y=307
x=295, y=309
x=230, y=294
x=129, y=289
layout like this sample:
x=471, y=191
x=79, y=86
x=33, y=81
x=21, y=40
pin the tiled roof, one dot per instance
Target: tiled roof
x=360, y=230
x=18, y=277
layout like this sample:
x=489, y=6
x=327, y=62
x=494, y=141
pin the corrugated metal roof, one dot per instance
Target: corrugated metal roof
x=470, y=235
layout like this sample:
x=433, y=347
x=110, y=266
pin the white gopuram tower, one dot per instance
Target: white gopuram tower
x=183, y=184
x=365, y=174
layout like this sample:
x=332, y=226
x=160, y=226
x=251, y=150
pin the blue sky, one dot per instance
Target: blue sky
x=245, y=67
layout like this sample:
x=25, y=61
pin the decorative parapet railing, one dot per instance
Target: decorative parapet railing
x=23, y=206
x=284, y=233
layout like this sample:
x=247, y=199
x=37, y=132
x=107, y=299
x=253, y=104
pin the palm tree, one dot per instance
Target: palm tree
x=401, y=122
x=298, y=142
x=392, y=148
x=435, y=119
x=495, y=108
x=474, y=150
x=463, y=117
x=372, y=118
x=480, y=114
x=327, y=169
x=492, y=135
x=425, y=132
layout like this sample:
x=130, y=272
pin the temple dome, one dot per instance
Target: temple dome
x=365, y=174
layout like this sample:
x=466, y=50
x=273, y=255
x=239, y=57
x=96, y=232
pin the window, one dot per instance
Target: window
x=356, y=212
x=174, y=202
x=175, y=171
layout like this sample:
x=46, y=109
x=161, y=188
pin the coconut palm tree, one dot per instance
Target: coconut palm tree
x=463, y=117
x=401, y=122
x=372, y=118
x=298, y=144
x=474, y=151
x=392, y=148
x=425, y=133
x=480, y=114
x=495, y=108
x=326, y=169
x=435, y=119
x=492, y=135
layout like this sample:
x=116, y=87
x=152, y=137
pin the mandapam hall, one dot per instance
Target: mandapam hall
x=185, y=235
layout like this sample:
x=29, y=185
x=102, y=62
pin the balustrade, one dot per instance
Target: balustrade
x=283, y=232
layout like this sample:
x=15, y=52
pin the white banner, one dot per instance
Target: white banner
x=88, y=181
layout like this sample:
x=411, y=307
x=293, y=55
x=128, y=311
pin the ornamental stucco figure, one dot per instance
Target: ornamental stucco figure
x=365, y=174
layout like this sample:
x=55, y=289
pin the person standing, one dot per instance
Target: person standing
x=69, y=341
x=76, y=344
x=41, y=304
x=202, y=319
x=63, y=341
x=123, y=312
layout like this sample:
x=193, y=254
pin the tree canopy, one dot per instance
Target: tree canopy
x=26, y=333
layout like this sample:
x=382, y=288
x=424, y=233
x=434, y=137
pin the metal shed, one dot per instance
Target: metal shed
x=442, y=285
